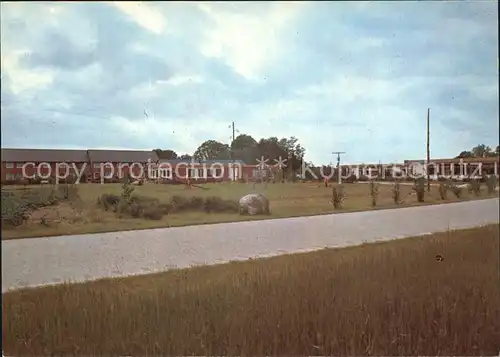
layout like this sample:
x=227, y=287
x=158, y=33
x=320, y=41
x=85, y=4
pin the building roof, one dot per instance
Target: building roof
x=206, y=162
x=43, y=155
x=122, y=156
x=488, y=159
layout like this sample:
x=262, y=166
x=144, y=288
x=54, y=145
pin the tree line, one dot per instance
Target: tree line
x=480, y=151
x=245, y=148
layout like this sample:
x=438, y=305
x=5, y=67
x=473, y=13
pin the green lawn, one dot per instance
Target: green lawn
x=287, y=200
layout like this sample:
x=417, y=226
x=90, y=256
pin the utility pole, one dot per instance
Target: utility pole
x=230, y=148
x=339, y=176
x=428, y=151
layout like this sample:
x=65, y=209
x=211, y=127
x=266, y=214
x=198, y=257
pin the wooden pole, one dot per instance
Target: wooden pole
x=428, y=151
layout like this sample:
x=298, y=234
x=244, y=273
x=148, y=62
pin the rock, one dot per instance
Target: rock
x=254, y=204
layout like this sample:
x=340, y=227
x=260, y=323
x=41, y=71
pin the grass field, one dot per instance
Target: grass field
x=287, y=200
x=392, y=298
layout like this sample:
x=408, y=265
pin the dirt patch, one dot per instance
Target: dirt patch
x=61, y=213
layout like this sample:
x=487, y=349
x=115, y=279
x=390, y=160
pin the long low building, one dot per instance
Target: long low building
x=470, y=166
x=109, y=165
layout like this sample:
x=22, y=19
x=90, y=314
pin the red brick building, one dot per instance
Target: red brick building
x=470, y=166
x=120, y=163
x=203, y=171
x=30, y=163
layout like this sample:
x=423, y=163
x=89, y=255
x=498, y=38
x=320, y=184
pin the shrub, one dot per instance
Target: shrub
x=16, y=205
x=491, y=184
x=396, y=193
x=419, y=188
x=338, y=196
x=456, y=190
x=108, y=201
x=475, y=187
x=350, y=179
x=443, y=191
x=127, y=190
x=374, y=191
x=217, y=204
x=153, y=213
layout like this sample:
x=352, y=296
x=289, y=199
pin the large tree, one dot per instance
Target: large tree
x=212, y=150
x=185, y=157
x=166, y=154
x=244, y=147
x=480, y=150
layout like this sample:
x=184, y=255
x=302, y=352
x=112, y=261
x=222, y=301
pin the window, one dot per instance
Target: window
x=10, y=177
x=164, y=172
x=97, y=166
x=196, y=173
x=20, y=165
x=9, y=165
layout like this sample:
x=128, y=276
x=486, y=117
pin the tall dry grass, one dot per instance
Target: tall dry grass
x=390, y=298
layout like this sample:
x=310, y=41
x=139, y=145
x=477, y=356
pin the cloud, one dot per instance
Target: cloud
x=349, y=76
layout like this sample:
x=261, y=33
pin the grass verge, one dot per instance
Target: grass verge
x=153, y=208
x=391, y=298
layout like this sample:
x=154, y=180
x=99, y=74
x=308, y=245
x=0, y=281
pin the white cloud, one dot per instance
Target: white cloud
x=246, y=41
x=181, y=79
x=21, y=79
x=143, y=14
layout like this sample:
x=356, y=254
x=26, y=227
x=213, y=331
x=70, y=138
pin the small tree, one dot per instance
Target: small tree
x=475, y=187
x=396, y=193
x=457, y=190
x=338, y=196
x=443, y=191
x=491, y=184
x=419, y=188
x=374, y=191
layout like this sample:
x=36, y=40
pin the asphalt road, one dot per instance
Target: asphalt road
x=41, y=261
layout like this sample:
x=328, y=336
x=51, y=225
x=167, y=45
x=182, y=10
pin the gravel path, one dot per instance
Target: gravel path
x=40, y=261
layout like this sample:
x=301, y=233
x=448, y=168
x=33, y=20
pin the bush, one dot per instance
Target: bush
x=491, y=184
x=374, y=191
x=419, y=188
x=217, y=204
x=443, y=191
x=475, y=187
x=338, y=196
x=396, y=193
x=350, y=179
x=108, y=201
x=153, y=213
x=16, y=205
x=456, y=190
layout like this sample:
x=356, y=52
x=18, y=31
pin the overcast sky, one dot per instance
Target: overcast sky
x=354, y=76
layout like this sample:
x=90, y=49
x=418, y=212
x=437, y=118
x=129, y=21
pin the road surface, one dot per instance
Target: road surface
x=41, y=261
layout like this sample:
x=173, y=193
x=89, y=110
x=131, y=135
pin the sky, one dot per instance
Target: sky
x=356, y=77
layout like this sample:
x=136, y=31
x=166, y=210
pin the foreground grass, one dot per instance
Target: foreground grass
x=287, y=200
x=390, y=298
